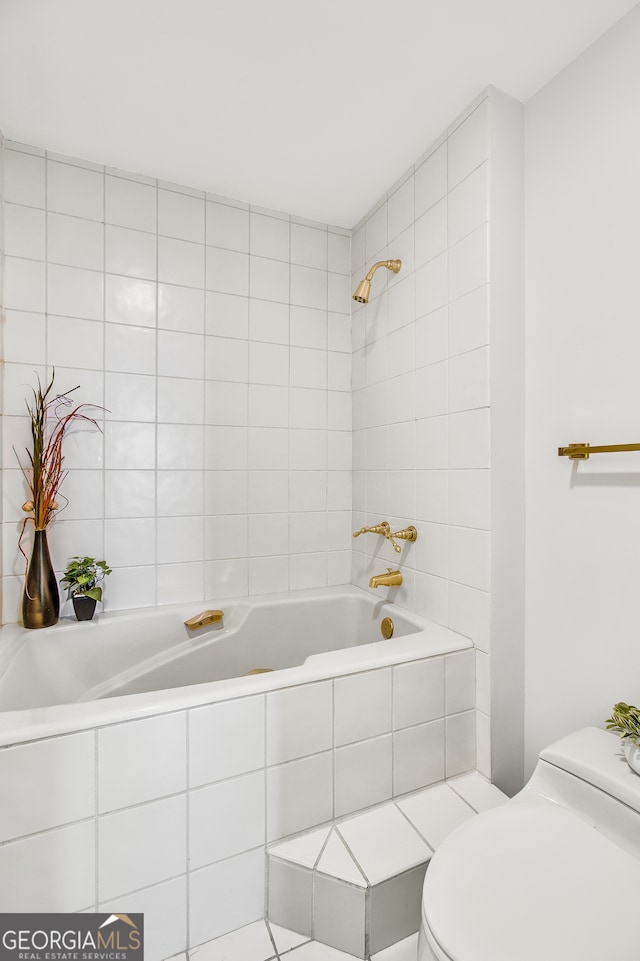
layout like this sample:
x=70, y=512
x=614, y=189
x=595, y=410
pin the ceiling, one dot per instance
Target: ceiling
x=314, y=108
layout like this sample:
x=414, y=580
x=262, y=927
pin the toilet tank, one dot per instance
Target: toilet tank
x=588, y=773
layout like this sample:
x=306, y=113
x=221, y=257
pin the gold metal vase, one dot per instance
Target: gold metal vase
x=41, y=599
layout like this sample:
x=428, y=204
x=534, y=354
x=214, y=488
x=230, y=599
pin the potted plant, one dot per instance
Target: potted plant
x=625, y=721
x=52, y=416
x=81, y=580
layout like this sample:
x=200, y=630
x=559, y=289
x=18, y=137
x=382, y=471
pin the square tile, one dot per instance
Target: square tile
x=130, y=252
x=159, y=852
x=226, y=896
x=299, y=795
x=299, y=721
x=396, y=908
x=24, y=178
x=242, y=749
x=460, y=671
x=290, y=896
x=362, y=706
x=55, y=870
x=227, y=227
x=363, y=773
x=46, y=802
x=226, y=819
x=24, y=234
x=418, y=692
x=180, y=262
x=74, y=190
x=130, y=300
x=72, y=292
x=165, y=917
x=460, y=737
x=337, y=862
x=339, y=915
x=128, y=772
x=180, y=216
x=418, y=756
x=130, y=204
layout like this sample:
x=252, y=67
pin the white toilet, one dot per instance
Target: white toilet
x=552, y=875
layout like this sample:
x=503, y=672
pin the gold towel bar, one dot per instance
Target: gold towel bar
x=582, y=451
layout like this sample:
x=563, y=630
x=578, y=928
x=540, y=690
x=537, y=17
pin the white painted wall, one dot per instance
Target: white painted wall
x=583, y=384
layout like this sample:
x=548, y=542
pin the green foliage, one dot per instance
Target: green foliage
x=82, y=575
x=625, y=721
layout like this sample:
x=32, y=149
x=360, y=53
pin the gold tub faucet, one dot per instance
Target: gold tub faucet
x=390, y=579
x=203, y=619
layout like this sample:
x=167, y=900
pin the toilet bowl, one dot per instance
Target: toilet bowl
x=552, y=875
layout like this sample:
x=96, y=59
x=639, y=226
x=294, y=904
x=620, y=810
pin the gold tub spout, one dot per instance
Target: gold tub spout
x=201, y=620
x=390, y=579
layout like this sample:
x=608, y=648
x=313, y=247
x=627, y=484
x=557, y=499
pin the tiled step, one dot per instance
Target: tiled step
x=356, y=884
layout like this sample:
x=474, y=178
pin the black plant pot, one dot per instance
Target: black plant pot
x=41, y=599
x=84, y=607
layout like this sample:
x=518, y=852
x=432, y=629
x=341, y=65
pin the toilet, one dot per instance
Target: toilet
x=552, y=875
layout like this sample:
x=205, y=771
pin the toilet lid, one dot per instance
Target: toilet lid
x=533, y=883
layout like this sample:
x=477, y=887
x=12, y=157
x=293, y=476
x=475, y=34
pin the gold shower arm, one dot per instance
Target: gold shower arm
x=382, y=528
x=393, y=265
x=582, y=451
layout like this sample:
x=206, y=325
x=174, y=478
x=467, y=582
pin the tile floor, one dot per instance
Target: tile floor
x=265, y=941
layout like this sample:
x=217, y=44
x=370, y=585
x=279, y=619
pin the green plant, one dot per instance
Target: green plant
x=82, y=575
x=625, y=721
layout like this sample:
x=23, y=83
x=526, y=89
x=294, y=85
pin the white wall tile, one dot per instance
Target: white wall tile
x=469, y=439
x=165, y=912
x=299, y=795
x=268, y=575
x=24, y=234
x=226, y=896
x=431, y=180
x=227, y=314
x=308, y=327
x=418, y=692
x=129, y=446
x=299, y=722
x=239, y=805
x=363, y=774
x=24, y=286
x=461, y=743
x=72, y=292
x=74, y=190
x=469, y=380
x=460, y=677
x=227, y=227
x=47, y=801
x=180, y=216
x=75, y=343
x=130, y=349
x=68, y=884
x=308, y=287
x=180, y=308
x=24, y=338
x=468, y=144
x=128, y=768
x=469, y=498
x=129, y=493
x=269, y=280
x=180, y=262
x=468, y=204
x=130, y=252
x=468, y=263
x=309, y=246
x=269, y=321
x=75, y=242
x=227, y=271
x=130, y=301
x=419, y=757
x=431, y=233
x=180, y=355
x=469, y=557
x=212, y=758
x=130, y=204
x=269, y=237
x=160, y=851
x=401, y=210
x=362, y=706
x=24, y=178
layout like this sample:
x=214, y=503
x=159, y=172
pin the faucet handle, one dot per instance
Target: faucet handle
x=382, y=528
x=406, y=534
x=201, y=620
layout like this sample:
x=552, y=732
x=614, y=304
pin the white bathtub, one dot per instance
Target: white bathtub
x=133, y=664
x=141, y=771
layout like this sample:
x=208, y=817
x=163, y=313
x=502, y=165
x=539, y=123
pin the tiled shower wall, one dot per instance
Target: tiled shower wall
x=217, y=335
x=421, y=390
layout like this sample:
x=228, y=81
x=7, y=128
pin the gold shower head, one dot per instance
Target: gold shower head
x=364, y=287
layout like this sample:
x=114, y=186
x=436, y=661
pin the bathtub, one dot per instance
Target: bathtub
x=132, y=664
x=143, y=769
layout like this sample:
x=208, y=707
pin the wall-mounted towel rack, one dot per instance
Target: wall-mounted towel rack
x=582, y=451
